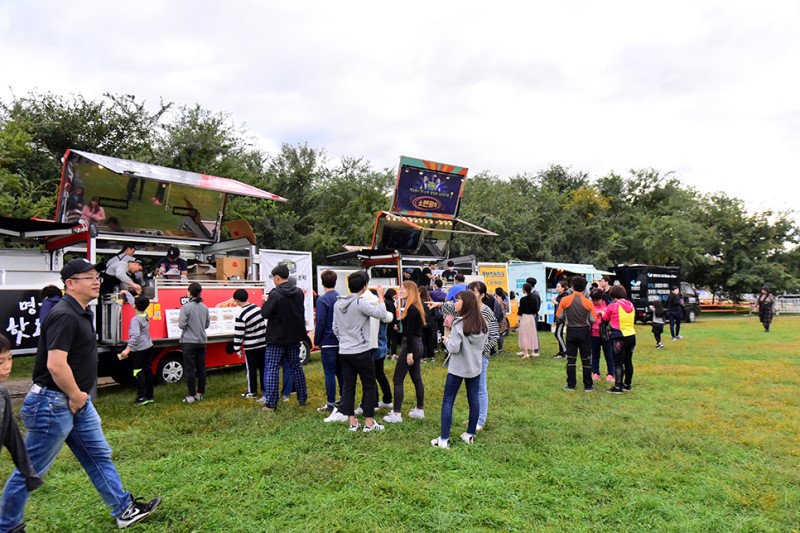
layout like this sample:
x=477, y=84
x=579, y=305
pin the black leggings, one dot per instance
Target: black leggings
x=674, y=323
x=559, y=333
x=623, y=359
x=410, y=345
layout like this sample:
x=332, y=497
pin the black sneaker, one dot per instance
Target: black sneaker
x=616, y=390
x=137, y=511
x=590, y=389
x=569, y=389
x=559, y=356
x=627, y=388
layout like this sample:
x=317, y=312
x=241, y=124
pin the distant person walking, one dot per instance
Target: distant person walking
x=766, y=302
x=675, y=312
x=194, y=320
x=528, y=312
x=658, y=322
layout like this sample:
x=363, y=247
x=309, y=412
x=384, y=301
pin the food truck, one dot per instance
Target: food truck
x=419, y=226
x=152, y=208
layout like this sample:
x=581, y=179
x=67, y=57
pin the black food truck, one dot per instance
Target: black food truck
x=647, y=283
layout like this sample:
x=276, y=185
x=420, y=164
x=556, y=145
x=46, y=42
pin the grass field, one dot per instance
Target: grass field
x=708, y=440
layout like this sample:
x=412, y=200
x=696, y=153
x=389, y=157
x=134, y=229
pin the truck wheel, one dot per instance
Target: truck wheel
x=691, y=316
x=305, y=352
x=170, y=369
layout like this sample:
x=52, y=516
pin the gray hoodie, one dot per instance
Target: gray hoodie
x=351, y=322
x=466, y=351
x=194, y=321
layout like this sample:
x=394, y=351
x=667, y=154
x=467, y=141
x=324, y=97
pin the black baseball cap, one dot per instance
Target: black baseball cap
x=173, y=251
x=79, y=266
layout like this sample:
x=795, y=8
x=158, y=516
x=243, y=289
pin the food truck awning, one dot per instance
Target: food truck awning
x=575, y=268
x=182, y=177
x=31, y=228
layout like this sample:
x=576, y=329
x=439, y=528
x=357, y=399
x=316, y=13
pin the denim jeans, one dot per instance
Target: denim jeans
x=597, y=344
x=483, y=394
x=451, y=386
x=332, y=368
x=50, y=424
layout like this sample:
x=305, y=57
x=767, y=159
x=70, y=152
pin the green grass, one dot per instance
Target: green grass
x=709, y=440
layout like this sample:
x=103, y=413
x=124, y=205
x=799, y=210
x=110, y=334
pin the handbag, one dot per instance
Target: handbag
x=605, y=331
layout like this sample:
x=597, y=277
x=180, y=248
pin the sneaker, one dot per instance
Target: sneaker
x=568, y=388
x=353, y=427
x=659, y=345
x=137, y=511
x=595, y=377
x=559, y=356
x=609, y=378
x=188, y=399
x=198, y=397
x=674, y=338
x=262, y=400
x=419, y=414
x=336, y=416
x=359, y=411
x=467, y=437
x=374, y=427
x=327, y=408
x=615, y=390
x=393, y=418
x=535, y=354
x=284, y=398
x=267, y=409
x=680, y=337
x=590, y=389
x=384, y=405
x=479, y=428
x=139, y=401
x=439, y=442
x=520, y=353
x=627, y=388
x=249, y=396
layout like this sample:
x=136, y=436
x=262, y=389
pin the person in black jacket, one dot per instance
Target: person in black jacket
x=674, y=312
x=286, y=329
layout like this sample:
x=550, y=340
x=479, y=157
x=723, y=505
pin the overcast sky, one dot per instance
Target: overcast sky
x=709, y=90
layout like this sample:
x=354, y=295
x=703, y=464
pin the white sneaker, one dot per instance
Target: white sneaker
x=359, y=411
x=416, y=413
x=354, y=427
x=467, y=437
x=384, y=405
x=393, y=418
x=262, y=400
x=439, y=442
x=374, y=427
x=336, y=416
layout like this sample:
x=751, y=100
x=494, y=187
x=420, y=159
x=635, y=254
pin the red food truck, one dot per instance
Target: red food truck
x=106, y=203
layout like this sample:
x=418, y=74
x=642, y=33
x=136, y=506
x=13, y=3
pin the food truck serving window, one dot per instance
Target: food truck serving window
x=131, y=205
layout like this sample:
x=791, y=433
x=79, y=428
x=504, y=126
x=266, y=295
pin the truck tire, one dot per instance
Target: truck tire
x=170, y=369
x=691, y=315
x=305, y=352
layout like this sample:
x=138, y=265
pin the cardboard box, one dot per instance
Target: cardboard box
x=241, y=228
x=227, y=267
x=202, y=271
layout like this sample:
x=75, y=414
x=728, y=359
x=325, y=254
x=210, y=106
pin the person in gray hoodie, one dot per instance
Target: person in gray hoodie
x=351, y=325
x=464, y=363
x=140, y=346
x=193, y=321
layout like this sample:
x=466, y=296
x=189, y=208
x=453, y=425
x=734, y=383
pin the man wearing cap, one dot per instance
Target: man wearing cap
x=172, y=264
x=58, y=408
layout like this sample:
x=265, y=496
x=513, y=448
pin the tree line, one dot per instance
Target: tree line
x=554, y=214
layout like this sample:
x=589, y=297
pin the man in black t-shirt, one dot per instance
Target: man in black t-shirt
x=58, y=408
x=449, y=275
x=172, y=266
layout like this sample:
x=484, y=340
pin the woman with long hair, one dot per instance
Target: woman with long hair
x=93, y=212
x=465, y=352
x=528, y=337
x=766, y=301
x=411, y=350
x=561, y=288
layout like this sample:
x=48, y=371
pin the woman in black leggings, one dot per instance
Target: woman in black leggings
x=408, y=362
x=561, y=287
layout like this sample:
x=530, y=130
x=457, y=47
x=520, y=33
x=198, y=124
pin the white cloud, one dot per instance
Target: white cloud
x=703, y=88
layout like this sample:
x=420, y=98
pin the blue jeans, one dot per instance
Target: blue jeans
x=50, y=424
x=597, y=344
x=451, y=386
x=483, y=395
x=332, y=368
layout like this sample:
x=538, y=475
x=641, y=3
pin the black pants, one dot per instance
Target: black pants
x=658, y=329
x=194, y=366
x=439, y=328
x=579, y=339
x=358, y=365
x=143, y=370
x=623, y=359
x=395, y=338
x=429, y=342
x=411, y=345
x=674, y=323
x=383, y=381
x=255, y=369
x=559, y=333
